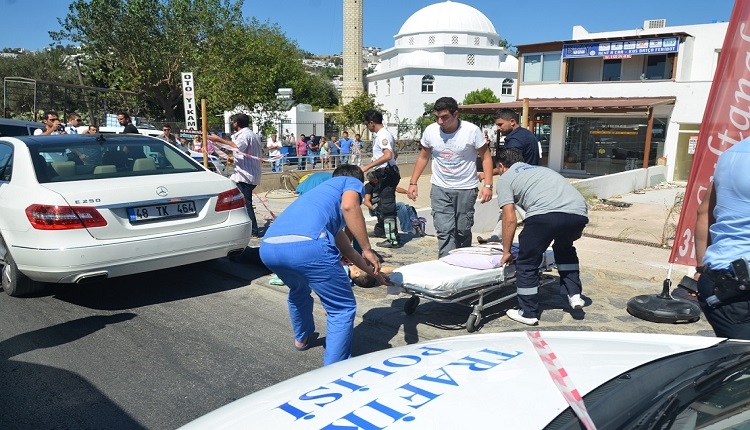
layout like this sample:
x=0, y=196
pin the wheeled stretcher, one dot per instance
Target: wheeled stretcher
x=441, y=282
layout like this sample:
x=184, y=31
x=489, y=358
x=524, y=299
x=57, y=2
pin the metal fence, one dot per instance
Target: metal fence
x=25, y=98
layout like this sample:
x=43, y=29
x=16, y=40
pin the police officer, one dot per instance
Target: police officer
x=384, y=166
x=722, y=236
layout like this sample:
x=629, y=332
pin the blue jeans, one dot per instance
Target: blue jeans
x=247, y=191
x=276, y=165
x=311, y=156
x=314, y=265
x=344, y=158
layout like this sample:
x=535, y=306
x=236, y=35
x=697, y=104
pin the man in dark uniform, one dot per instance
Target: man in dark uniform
x=517, y=137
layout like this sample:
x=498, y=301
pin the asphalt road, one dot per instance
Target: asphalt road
x=151, y=351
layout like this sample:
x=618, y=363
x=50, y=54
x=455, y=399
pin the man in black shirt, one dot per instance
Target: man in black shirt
x=124, y=119
x=517, y=137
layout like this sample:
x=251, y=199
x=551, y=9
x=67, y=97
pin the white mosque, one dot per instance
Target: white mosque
x=445, y=49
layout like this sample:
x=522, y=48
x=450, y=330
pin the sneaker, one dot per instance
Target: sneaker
x=388, y=244
x=576, y=302
x=481, y=240
x=517, y=315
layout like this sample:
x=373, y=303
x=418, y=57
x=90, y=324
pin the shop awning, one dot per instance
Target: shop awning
x=590, y=104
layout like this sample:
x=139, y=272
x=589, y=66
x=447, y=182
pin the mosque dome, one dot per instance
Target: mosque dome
x=448, y=16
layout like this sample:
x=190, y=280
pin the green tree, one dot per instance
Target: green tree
x=247, y=64
x=315, y=90
x=352, y=113
x=426, y=119
x=484, y=95
x=143, y=45
x=54, y=64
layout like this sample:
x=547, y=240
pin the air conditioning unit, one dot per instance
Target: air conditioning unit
x=654, y=23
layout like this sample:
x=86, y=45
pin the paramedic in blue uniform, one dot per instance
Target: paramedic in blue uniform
x=556, y=214
x=722, y=235
x=303, y=247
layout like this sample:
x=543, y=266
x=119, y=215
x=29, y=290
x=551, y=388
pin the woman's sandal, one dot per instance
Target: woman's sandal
x=303, y=347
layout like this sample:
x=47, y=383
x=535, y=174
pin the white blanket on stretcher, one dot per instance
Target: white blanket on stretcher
x=444, y=280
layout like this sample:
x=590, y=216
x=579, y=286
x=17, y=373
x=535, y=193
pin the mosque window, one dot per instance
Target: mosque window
x=411, y=41
x=476, y=40
x=388, y=87
x=507, y=89
x=492, y=42
x=376, y=88
x=427, y=83
x=454, y=40
x=431, y=40
x=401, y=82
x=470, y=59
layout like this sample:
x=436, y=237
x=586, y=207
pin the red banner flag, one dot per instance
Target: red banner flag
x=726, y=121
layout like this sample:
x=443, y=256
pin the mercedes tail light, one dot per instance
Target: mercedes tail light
x=48, y=217
x=228, y=200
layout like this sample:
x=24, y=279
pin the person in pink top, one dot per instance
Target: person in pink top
x=301, y=152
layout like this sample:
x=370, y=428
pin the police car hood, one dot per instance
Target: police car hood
x=499, y=379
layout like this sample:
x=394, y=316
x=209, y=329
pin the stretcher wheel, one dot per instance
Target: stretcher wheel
x=472, y=324
x=411, y=305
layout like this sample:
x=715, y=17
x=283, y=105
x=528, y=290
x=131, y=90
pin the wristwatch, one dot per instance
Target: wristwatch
x=487, y=186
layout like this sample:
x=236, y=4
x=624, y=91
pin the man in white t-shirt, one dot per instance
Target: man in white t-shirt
x=453, y=145
x=384, y=166
x=274, y=150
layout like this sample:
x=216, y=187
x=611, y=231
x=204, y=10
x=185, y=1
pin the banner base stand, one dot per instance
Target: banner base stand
x=662, y=308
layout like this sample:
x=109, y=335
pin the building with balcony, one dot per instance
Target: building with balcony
x=607, y=102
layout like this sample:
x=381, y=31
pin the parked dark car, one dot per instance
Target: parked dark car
x=15, y=127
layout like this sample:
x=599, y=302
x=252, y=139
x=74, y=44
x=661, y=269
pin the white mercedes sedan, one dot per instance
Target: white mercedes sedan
x=79, y=208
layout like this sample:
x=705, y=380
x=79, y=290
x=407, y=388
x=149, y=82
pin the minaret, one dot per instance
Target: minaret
x=353, y=84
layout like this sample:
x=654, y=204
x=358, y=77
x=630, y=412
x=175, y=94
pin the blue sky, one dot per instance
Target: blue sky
x=316, y=24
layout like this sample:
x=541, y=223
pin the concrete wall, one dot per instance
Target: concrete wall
x=623, y=182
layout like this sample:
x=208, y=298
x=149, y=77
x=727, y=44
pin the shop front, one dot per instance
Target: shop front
x=611, y=144
x=594, y=136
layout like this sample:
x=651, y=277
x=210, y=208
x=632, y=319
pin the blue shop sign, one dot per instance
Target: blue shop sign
x=621, y=48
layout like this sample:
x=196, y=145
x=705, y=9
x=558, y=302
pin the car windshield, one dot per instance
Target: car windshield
x=707, y=388
x=88, y=157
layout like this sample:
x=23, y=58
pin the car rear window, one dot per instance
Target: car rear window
x=89, y=158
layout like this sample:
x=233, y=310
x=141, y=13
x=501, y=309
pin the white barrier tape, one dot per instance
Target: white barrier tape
x=263, y=202
x=241, y=155
x=561, y=379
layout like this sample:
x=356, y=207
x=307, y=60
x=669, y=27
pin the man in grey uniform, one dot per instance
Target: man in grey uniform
x=555, y=212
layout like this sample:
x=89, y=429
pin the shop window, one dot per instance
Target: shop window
x=507, y=88
x=542, y=67
x=427, y=83
x=612, y=70
x=658, y=67
x=605, y=145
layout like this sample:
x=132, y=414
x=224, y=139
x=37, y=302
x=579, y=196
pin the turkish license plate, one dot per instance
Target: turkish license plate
x=162, y=211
